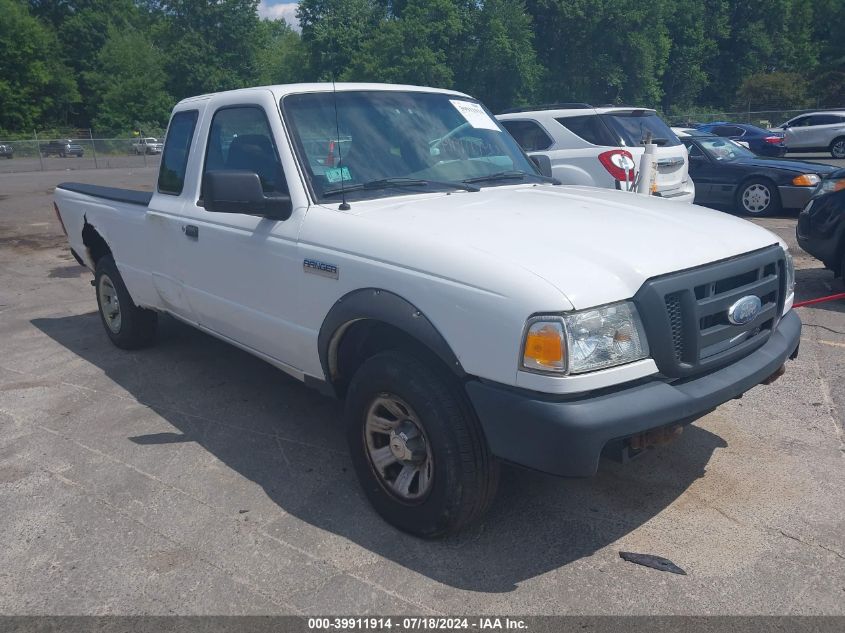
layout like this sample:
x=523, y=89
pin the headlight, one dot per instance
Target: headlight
x=806, y=180
x=790, y=273
x=829, y=185
x=584, y=341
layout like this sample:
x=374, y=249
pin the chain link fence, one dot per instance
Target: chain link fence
x=761, y=118
x=59, y=152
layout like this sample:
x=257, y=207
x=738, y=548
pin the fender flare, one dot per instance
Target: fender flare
x=389, y=308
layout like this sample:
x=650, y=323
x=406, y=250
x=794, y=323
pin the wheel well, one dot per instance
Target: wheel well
x=94, y=242
x=357, y=341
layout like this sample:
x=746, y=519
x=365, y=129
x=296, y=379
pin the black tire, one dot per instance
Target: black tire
x=758, y=197
x=136, y=327
x=463, y=475
x=837, y=148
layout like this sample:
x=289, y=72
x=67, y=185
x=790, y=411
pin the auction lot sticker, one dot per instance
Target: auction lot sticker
x=474, y=114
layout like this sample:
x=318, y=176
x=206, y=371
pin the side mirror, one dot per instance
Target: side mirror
x=544, y=164
x=235, y=191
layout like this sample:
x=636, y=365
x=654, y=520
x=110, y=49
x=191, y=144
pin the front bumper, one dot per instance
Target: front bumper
x=565, y=437
x=795, y=197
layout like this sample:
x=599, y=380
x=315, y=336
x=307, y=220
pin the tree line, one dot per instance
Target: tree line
x=120, y=65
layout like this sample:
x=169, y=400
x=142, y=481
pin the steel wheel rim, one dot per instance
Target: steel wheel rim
x=839, y=149
x=756, y=198
x=109, y=304
x=398, y=448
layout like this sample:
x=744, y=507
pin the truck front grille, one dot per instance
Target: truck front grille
x=685, y=314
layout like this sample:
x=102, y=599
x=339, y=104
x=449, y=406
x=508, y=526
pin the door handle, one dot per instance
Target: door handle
x=191, y=231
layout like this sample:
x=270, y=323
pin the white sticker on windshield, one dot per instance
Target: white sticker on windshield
x=474, y=114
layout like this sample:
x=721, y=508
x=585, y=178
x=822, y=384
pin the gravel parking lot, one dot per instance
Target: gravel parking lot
x=192, y=478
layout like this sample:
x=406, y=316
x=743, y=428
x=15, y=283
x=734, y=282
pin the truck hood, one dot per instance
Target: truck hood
x=594, y=245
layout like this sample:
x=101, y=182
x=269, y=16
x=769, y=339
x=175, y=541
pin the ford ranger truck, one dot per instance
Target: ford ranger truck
x=393, y=246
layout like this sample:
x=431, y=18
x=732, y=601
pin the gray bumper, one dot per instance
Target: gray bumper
x=795, y=197
x=566, y=436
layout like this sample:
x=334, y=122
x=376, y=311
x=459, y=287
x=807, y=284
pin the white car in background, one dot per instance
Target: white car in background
x=602, y=147
x=148, y=145
x=816, y=132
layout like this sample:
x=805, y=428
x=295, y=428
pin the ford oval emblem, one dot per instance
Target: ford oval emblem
x=745, y=310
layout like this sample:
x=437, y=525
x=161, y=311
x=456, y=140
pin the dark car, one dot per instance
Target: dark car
x=821, y=225
x=761, y=142
x=62, y=148
x=6, y=151
x=726, y=173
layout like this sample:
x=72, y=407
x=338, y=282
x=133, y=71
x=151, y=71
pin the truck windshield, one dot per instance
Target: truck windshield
x=404, y=142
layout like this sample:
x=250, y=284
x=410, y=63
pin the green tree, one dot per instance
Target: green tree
x=829, y=89
x=769, y=91
x=697, y=27
x=602, y=50
x=36, y=88
x=129, y=81
x=766, y=36
x=281, y=56
x=498, y=63
x=412, y=47
x=334, y=32
x=208, y=46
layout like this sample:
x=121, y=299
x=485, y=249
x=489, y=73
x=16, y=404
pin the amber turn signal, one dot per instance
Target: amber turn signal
x=805, y=180
x=544, y=346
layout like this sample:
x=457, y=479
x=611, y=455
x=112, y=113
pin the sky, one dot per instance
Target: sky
x=276, y=9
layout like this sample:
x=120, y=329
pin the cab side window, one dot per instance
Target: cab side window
x=530, y=136
x=240, y=139
x=174, y=161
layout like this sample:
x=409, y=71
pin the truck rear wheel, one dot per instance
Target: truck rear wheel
x=416, y=446
x=127, y=325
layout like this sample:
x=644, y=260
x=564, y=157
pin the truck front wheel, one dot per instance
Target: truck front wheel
x=127, y=325
x=417, y=447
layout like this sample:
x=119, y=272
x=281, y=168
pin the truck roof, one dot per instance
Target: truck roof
x=280, y=90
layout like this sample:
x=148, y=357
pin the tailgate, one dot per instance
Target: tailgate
x=672, y=167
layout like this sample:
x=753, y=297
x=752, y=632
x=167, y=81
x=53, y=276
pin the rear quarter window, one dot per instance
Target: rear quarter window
x=530, y=136
x=590, y=128
x=174, y=160
x=631, y=128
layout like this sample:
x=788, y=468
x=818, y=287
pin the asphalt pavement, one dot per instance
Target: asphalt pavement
x=192, y=478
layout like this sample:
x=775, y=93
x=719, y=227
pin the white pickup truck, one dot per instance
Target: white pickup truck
x=392, y=245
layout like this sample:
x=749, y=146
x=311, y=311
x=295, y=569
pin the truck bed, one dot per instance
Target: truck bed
x=129, y=196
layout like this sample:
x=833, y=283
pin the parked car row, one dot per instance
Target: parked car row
x=727, y=173
x=761, y=142
x=816, y=132
x=812, y=132
x=602, y=146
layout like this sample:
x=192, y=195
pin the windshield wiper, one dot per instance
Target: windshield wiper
x=399, y=181
x=511, y=174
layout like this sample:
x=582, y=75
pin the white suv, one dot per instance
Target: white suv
x=601, y=147
x=816, y=132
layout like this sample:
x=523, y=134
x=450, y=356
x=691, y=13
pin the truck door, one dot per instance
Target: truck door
x=241, y=273
x=163, y=219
